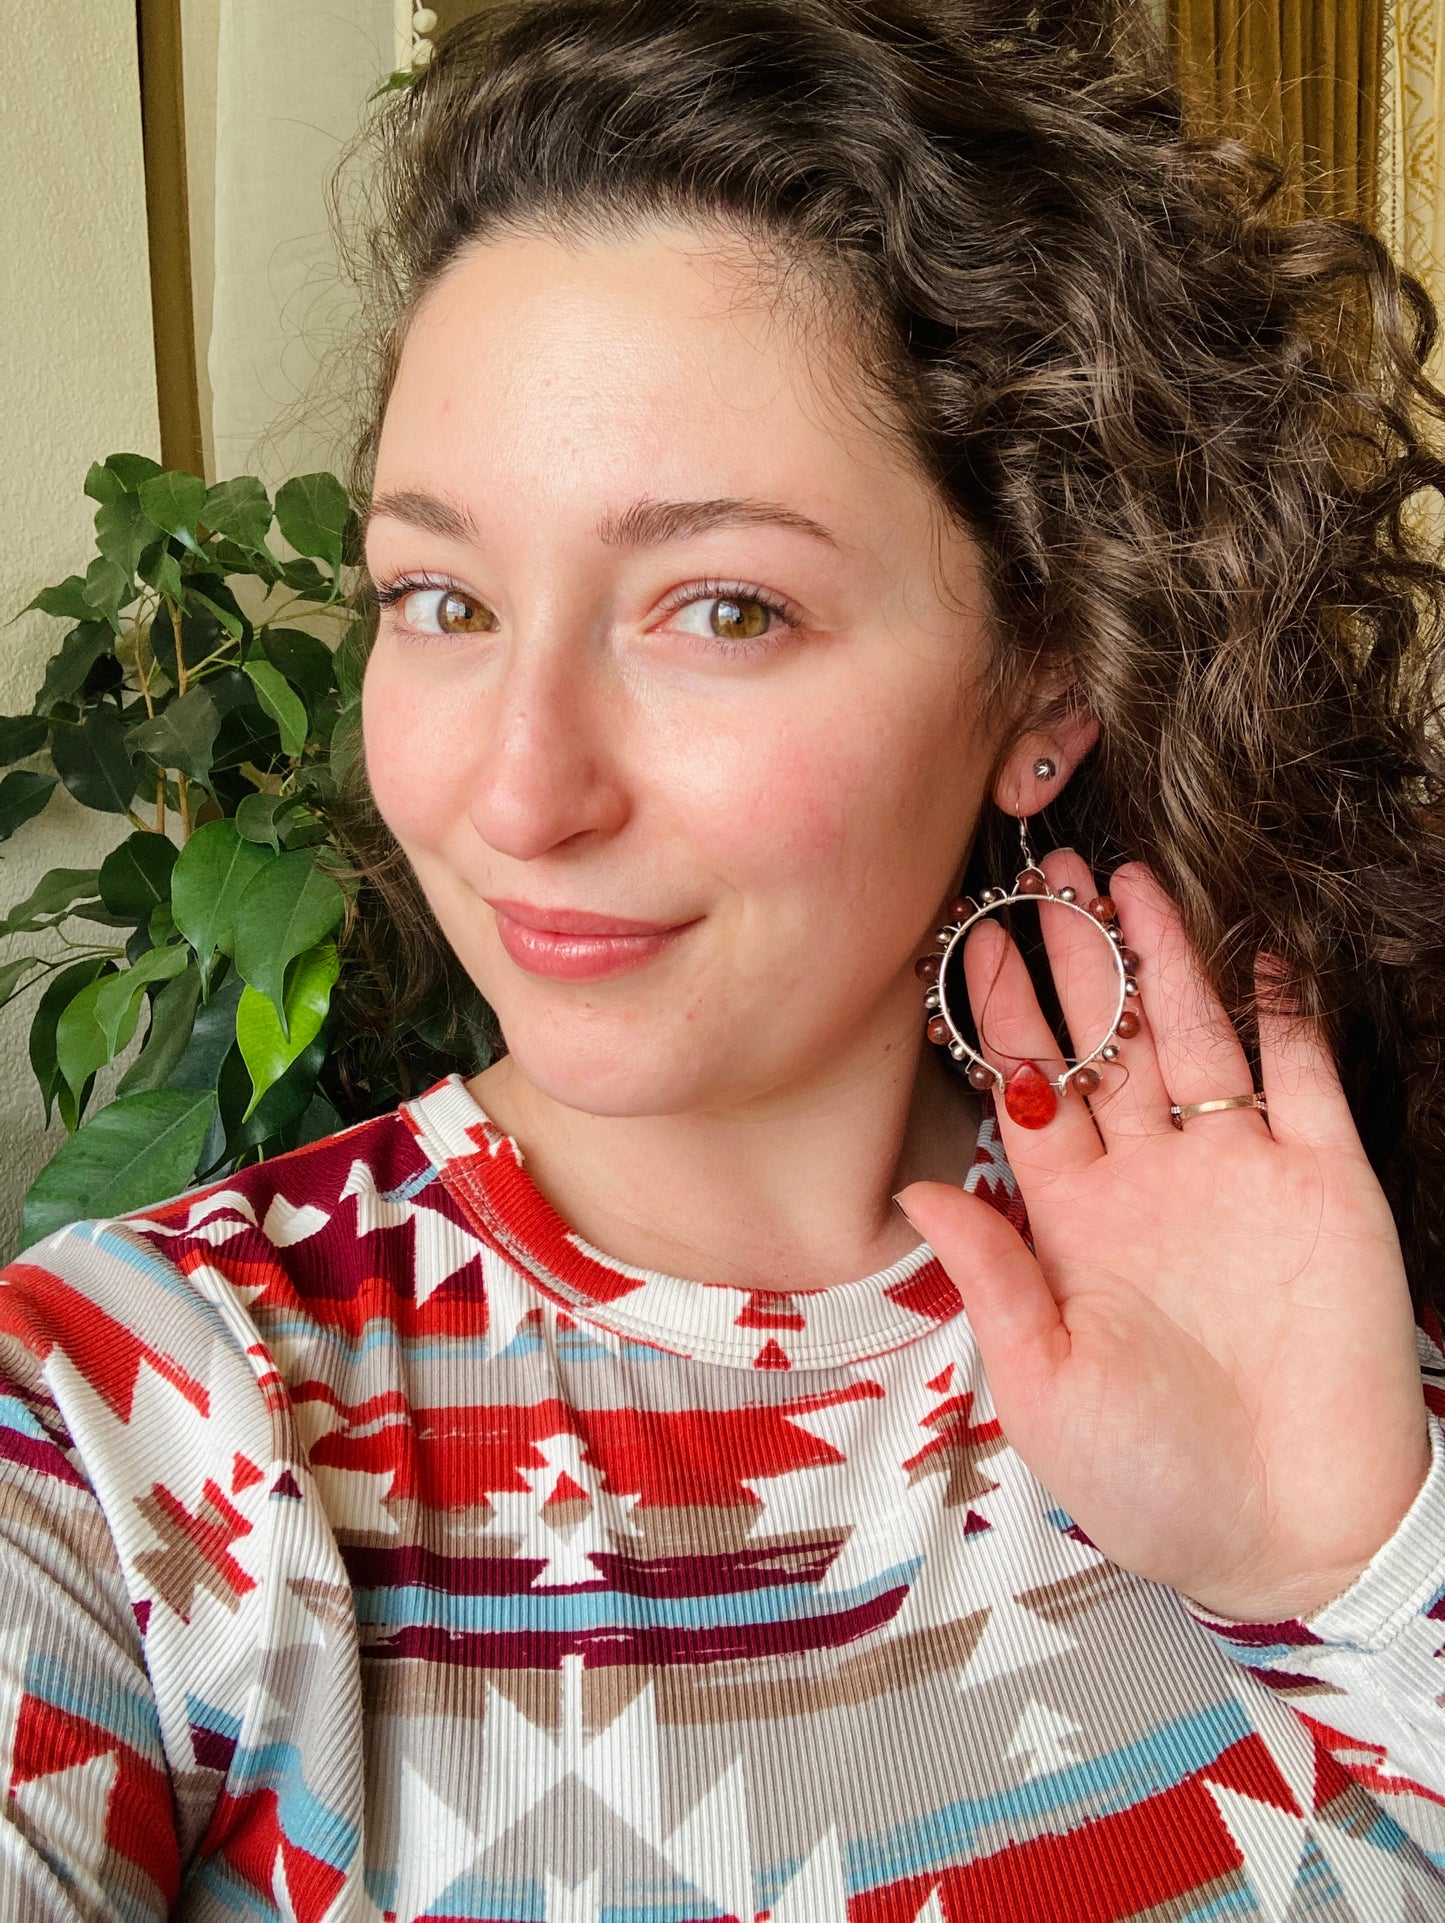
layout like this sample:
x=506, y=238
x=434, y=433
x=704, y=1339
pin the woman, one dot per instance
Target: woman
x=813, y=440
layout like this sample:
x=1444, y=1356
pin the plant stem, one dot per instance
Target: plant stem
x=183, y=802
x=160, y=801
x=182, y=677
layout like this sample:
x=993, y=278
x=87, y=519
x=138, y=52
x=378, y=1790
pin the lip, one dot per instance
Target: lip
x=573, y=944
x=575, y=921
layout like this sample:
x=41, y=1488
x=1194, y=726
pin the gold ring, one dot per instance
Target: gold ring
x=1179, y=1116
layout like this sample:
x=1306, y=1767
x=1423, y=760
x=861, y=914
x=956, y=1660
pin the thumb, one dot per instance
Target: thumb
x=1021, y=1335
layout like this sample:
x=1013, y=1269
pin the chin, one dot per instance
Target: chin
x=615, y=1069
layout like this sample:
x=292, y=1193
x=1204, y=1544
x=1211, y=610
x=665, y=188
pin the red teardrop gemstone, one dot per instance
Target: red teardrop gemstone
x=1029, y=1097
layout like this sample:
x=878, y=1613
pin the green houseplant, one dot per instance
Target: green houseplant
x=206, y=690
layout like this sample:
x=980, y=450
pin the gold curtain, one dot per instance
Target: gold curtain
x=1302, y=79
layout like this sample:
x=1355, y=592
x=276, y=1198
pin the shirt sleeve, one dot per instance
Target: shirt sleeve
x=87, y=1827
x=1366, y=1671
x=180, y=1716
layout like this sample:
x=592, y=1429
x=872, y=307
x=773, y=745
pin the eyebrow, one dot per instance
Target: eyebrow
x=646, y=523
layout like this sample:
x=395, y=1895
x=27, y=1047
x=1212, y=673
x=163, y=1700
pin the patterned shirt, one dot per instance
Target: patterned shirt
x=374, y=1547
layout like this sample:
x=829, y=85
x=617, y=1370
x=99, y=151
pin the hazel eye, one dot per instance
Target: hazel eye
x=730, y=617
x=446, y=611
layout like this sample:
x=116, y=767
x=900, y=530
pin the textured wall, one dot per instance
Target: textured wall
x=79, y=383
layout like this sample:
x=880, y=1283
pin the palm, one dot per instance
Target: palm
x=1211, y=1364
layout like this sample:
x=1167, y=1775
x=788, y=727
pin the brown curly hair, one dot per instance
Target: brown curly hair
x=1189, y=436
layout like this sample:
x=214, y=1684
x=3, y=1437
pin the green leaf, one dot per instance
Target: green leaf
x=140, y=1149
x=15, y=975
x=213, y=1036
x=21, y=735
x=304, y=577
x=240, y=509
x=93, y=760
x=318, y=1120
x=101, y=1020
x=258, y=818
x=182, y=735
x=282, y=1104
x=311, y=511
x=173, y=1016
x=214, y=870
x=101, y=484
x=22, y=795
x=66, y=599
x=130, y=470
x=290, y=906
x=64, y=891
x=399, y=82
x=123, y=532
x=247, y=734
x=233, y=559
x=59, y=992
x=231, y=622
x=81, y=1044
x=161, y=570
x=174, y=502
x=282, y=703
x=269, y=1045
x=108, y=587
x=136, y=877
x=308, y=664
x=68, y=667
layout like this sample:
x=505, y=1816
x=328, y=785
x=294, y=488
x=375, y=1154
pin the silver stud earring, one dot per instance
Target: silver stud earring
x=1044, y=769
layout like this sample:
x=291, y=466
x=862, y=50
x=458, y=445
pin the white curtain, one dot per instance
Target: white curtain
x=274, y=90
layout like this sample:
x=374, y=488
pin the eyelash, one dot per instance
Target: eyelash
x=394, y=592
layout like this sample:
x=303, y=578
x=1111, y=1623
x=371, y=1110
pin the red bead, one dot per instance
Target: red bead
x=1029, y=1097
x=938, y=1029
x=1128, y=1024
x=1031, y=882
x=1101, y=908
x=960, y=908
x=1130, y=961
x=927, y=966
x=980, y=1075
x=1087, y=1080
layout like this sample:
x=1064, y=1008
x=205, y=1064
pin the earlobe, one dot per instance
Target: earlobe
x=1040, y=763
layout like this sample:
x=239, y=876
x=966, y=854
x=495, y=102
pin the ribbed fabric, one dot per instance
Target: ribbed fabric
x=373, y=1547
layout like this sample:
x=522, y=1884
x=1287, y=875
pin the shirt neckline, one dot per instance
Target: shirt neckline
x=716, y=1322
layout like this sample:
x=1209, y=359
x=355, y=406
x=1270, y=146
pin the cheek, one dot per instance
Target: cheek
x=413, y=766
x=843, y=799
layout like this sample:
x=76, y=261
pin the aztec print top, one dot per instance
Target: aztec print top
x=372, y=1547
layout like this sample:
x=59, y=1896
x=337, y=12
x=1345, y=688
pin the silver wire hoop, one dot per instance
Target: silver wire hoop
x=1031, y=888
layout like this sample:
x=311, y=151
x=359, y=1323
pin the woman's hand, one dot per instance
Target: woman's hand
x=1212, y=1361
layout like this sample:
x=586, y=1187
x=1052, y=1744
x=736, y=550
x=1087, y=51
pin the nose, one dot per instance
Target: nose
x=551, y=767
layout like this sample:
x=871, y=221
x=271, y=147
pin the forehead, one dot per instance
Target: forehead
x=674, y=338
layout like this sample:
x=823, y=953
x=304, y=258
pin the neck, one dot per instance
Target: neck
x=793, y=1193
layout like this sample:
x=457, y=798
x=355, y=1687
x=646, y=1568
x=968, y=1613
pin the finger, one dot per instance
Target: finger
x=1022, y=1338
x=1200, y=1055
x=1011, y=1031
x=1131, y=1098
x=1301, y=1080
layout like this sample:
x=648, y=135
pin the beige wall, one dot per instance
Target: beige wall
x=79, y=383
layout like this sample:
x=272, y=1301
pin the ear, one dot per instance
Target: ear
x=1017, y=790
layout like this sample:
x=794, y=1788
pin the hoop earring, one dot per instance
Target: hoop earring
x=1029, y=1096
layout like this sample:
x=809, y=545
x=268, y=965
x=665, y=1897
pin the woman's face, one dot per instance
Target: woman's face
x=674, y=639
